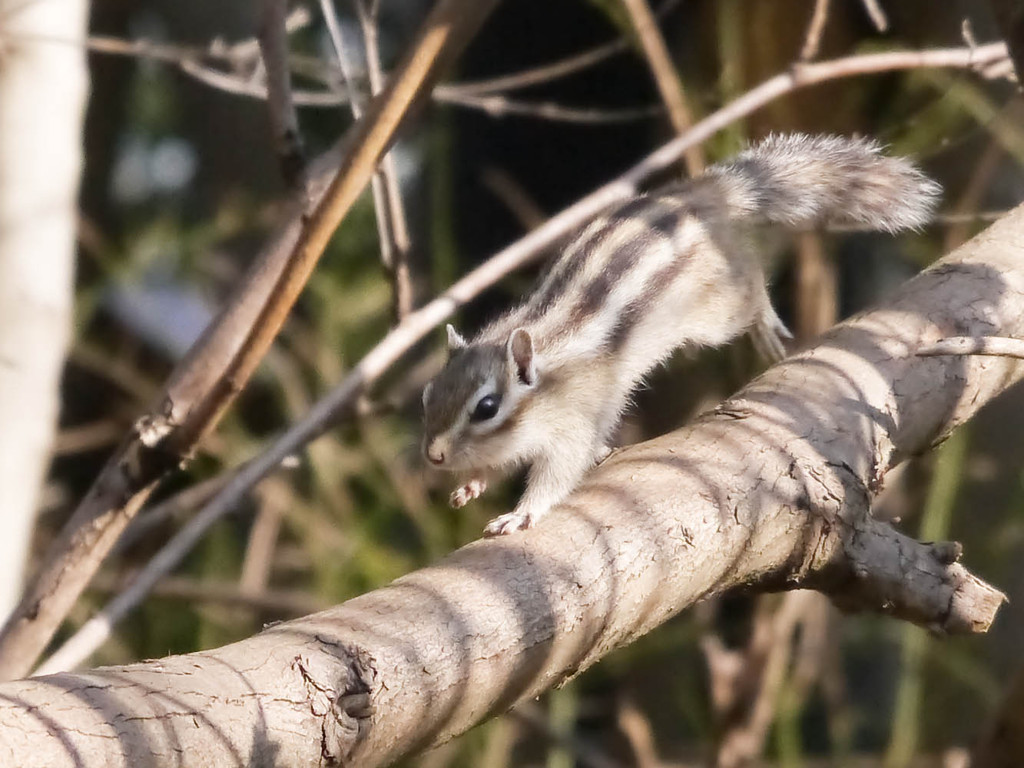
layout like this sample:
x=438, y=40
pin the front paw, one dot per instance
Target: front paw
x=511, y=522
x=464, y=494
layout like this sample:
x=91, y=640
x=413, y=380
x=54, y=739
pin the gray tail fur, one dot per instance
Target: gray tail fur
x=800, y=180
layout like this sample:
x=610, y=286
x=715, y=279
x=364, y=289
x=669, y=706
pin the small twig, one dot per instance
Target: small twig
x=240, y=60
x=87, y=437
x=638, y=732
x=772, y=490
x=556, y=69
x=285, y=602
x=876, y=14
x=404, y=299
x=416, y=326
x=502, y=106
x=392, y=228
x=1001, y=740
x=181, y=503
x=992, y=346
x=496, y=106
x=939, y=220
x=760, y=678
x=273, y=40
x=812, y=40
x=966, y=207
x=666, y=77
x=120, y=374
x=258, y=562
x=511, y=193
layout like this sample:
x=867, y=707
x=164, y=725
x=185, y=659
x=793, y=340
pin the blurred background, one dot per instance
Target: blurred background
x=181, y=188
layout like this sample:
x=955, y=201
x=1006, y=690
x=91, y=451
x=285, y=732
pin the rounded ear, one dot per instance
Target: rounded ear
x=520, y=356
x=455, y=340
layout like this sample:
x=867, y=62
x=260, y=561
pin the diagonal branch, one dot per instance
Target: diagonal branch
x=221, y=362
x=771, y=490
x=670, y=85
x=284, y=121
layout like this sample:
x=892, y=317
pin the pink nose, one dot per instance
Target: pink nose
x=435, y=454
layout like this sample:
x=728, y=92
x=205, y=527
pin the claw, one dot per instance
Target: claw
x=509, y=523
x=464, y=494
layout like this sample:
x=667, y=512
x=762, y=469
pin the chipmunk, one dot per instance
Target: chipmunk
x=546, y=383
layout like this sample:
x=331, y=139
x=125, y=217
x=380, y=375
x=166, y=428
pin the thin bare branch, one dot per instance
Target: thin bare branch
x=392, y=228
x=991, y=346
x=284, y=122
x=640, y=735
x=965, y=211
x=666, y=77
x=1001, y=744
x=237, y=62
x=812, y=40
x=493, y=104
x=1010, y=23
x=761, y=675
x=179, y=505
x=222, y=361
x=344, y=396
x=404, y=298
x=547, y=72
x=876, y=14
x=511, y=193
x=285, y=602
x=502, y=106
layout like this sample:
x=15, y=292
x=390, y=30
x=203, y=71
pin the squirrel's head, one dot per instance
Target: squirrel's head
x=471, y=407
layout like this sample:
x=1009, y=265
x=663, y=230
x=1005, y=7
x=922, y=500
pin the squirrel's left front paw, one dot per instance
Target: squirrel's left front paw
x=510, y=522
x=464, y=494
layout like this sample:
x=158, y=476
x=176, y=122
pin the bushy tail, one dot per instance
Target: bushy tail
x=802, y=180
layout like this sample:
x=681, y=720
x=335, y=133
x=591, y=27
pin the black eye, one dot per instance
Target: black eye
x=486, y=408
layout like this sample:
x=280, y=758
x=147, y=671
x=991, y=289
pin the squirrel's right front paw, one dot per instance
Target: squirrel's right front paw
x=464, y=494
x=511, y=522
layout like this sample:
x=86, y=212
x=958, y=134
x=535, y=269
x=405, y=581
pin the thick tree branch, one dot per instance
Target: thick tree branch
x=771, y=490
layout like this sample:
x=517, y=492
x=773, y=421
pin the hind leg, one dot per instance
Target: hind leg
x=768, y=330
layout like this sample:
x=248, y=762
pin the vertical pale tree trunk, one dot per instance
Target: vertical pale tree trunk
x=43, y=88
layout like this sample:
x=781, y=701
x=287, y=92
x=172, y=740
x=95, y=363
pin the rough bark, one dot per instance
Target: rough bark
x=771, y=490
x=42, y=102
